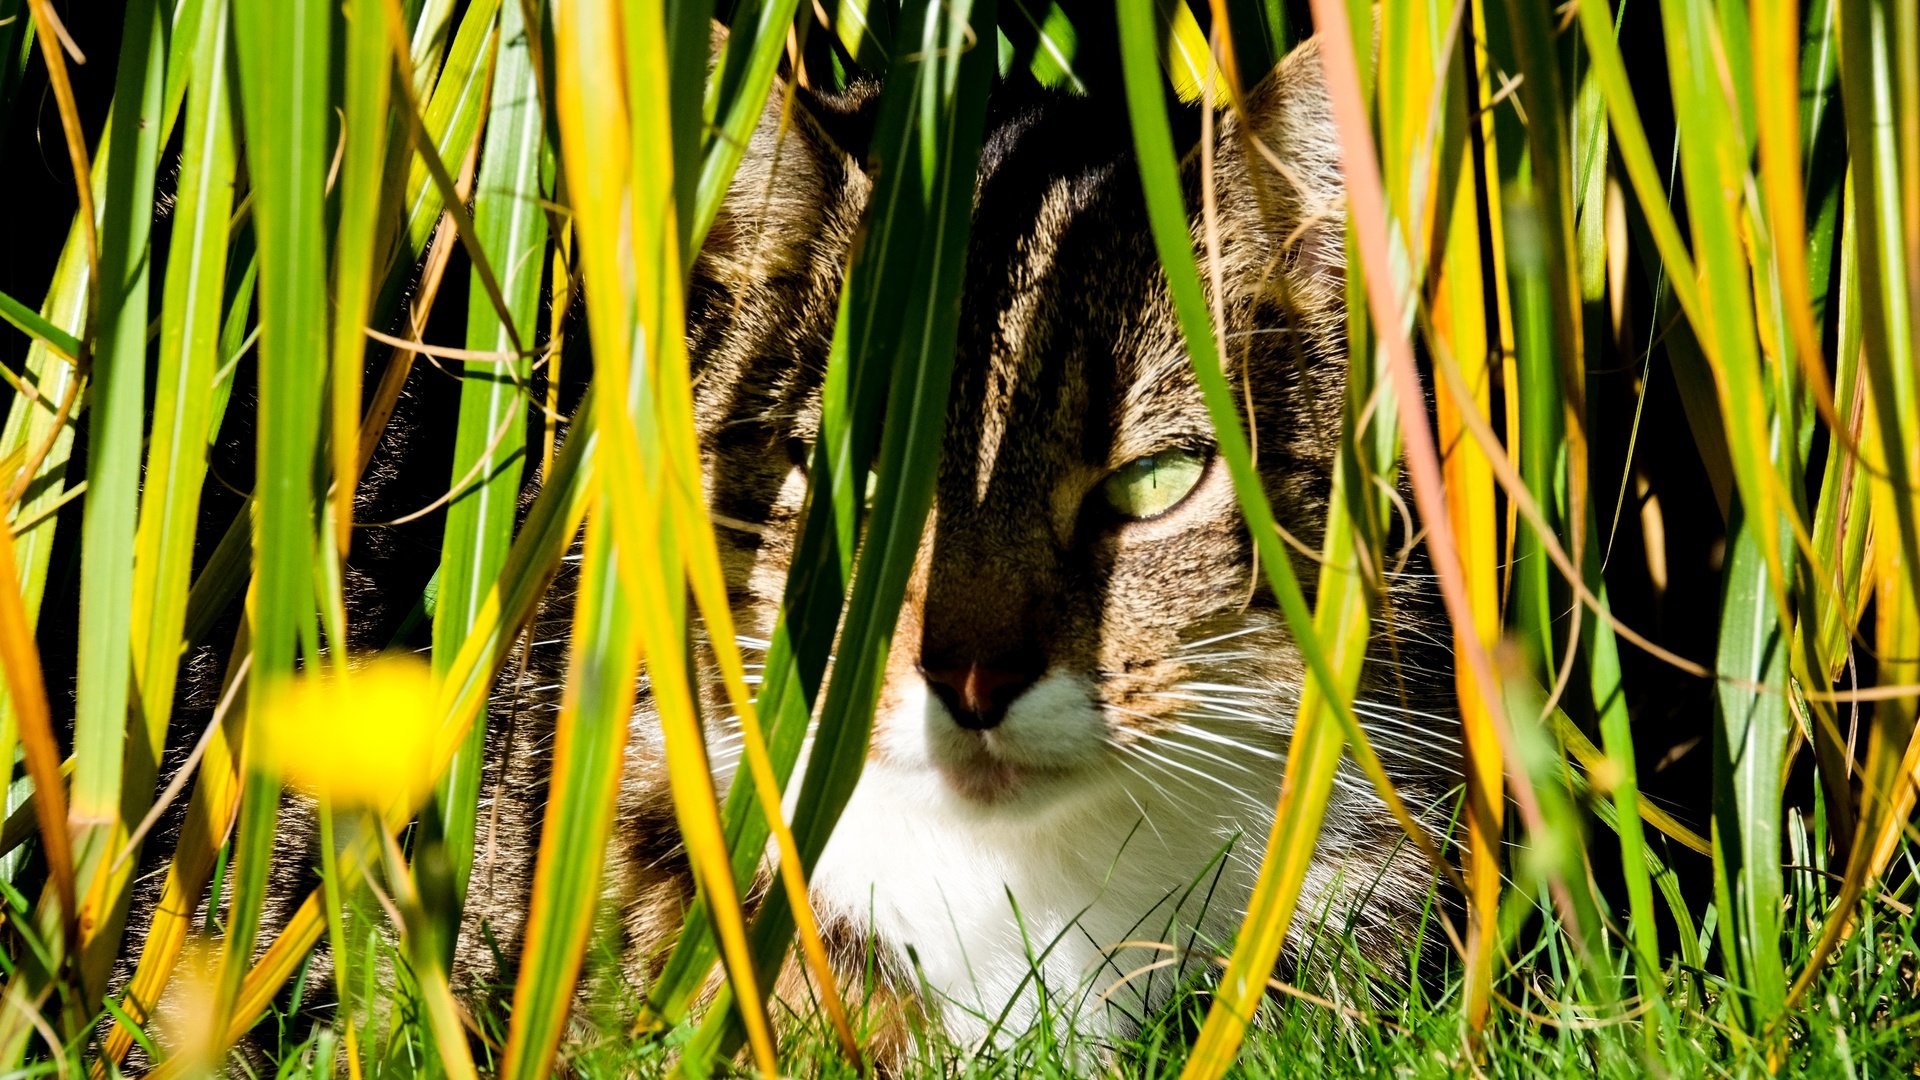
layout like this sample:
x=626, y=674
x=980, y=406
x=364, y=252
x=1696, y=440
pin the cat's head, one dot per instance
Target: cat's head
x=1086, y=602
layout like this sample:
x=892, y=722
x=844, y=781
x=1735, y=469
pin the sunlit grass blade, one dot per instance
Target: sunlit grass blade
x=453, y=193
x=852, y=401
x=490, y=443
x=1883, y=183
x=1757, y=621
x=451, y=116
x=1316, y=744
x=1749, y=748
x=549, y=529
x=1636, y=157
x=1775, y=47
x=283, y=52
x=1841, y=523
x=116, y=425
x=30, y=322
x=926, y=146
x=177, y=454
x=1466, y=324
x=362, y=185
x=26, y=689
x=756, y=38
x=1186, y=56
x=635, y=325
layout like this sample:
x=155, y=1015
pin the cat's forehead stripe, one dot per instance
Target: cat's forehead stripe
x=1015, y=352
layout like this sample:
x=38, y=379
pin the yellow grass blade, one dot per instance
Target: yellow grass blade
x=1459, y=303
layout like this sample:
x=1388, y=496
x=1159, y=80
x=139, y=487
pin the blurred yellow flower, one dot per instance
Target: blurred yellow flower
x=365, y=738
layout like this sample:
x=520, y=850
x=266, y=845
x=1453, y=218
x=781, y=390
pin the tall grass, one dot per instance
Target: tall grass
x=1632, y=296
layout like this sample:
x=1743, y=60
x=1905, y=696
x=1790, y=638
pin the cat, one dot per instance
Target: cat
x=1082, y=729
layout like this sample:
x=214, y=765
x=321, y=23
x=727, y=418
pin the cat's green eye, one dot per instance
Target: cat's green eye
x=1150, y=486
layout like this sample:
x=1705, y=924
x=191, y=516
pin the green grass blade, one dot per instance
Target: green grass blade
x=64, y=345
x=549, y=529
x=452, y=118
x=490, y=444
x=1755, y=629
x=116, y=407
x=1316, y=743
x=755, y=43
x=1749, y=750
x=853, y=398
x=283, y=53
x=1873, y=74
x=586, y=775
x=927, y=145
x=362, y=185
x=183, y=411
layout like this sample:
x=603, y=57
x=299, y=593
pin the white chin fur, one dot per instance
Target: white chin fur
x=1091, y=854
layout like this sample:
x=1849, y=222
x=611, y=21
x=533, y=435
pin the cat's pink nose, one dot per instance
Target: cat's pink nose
x=978, y=695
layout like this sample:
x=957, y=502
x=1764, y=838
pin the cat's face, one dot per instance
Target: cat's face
x=1085, y=606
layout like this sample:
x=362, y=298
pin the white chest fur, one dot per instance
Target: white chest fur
x=1001, y=907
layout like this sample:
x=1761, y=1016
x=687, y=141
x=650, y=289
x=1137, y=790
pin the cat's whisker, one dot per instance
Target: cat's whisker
x=1228, y=636
x=1229, y=710
x=1220, y=782
x=1224, y=656
x=1400, y=710
x=1174, y=745
x=1121, y=760
x=1159, y=738
x=1230, y=743
x=1224, y=688
x=1397, y=736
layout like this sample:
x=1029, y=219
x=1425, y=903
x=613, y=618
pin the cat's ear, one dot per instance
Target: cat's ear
x=798, y=180
x=1281, y=196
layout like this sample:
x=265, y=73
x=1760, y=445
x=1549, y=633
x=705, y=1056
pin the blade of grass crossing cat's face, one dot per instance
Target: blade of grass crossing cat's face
x=896, y=327
x=811, y=607
x=660, y=417
x=679, y=450
x=1334, y=660
x=634, y=542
